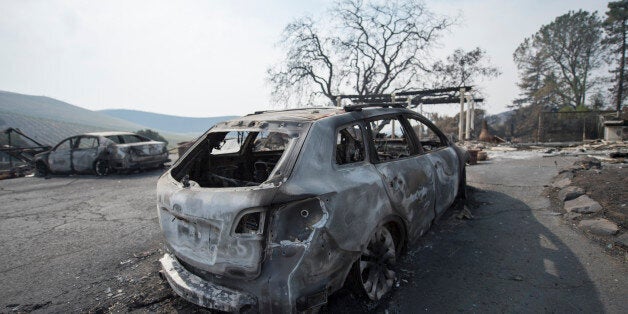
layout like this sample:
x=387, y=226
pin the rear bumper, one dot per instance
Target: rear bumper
x=201, y=292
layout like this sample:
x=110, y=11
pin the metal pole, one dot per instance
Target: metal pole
x=584, y=128
x=460, y=122
x=10, y=158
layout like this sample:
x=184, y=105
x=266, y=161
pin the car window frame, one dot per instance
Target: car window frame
x=432, y=127
x=414, y=150
x=365, y=138
x=72, y=143
x=78, y=143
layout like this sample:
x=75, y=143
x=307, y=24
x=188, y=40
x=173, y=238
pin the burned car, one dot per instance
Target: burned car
x=101, y=153
x=275, y=211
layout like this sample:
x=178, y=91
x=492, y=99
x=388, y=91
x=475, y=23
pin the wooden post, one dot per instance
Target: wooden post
x=460, y=122
x=392, y=98
x=539, y=132
x=467, y=130
x=472, y=116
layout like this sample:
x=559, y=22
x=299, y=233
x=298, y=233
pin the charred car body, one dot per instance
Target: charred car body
x=100, y=153
x=275, y=211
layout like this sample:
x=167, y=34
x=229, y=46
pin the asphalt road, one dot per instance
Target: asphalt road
x=82, y=243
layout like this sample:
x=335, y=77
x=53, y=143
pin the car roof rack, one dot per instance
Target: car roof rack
x=360, y=106
x=406, y=99
x=292, y=109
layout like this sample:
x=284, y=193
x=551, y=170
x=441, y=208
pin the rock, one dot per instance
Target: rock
x=465, y=213
x=622, y=240
x=599, y=226
x=588, y=163
x=582, y=204
x=569, y=193
x=572, y=216
x=562, y=183
x=482, y=156
x=563, y=175
x=570, y=169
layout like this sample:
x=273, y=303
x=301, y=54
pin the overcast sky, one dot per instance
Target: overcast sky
x=209, y=58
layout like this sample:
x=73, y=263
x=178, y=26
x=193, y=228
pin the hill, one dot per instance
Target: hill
x=49, y=120
x=176, y=124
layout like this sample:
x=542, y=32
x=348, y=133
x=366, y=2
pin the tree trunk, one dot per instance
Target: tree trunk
x=622, y=63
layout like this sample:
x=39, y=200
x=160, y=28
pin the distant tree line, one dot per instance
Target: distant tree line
x=559, y=64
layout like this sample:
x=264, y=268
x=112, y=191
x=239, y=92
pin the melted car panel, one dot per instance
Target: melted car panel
x=280, y=205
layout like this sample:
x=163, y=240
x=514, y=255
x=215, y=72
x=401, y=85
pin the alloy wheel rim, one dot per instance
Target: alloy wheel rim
x=377, y=263
x=101, y=168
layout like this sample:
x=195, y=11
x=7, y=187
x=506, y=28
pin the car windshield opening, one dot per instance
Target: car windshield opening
x=234, y=159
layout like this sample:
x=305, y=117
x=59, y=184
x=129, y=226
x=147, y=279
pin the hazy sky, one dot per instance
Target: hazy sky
x=209, y=58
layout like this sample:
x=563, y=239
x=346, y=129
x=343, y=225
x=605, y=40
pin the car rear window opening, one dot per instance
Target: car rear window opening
x=233, y=159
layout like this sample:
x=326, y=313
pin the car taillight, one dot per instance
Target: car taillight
x=250, y=223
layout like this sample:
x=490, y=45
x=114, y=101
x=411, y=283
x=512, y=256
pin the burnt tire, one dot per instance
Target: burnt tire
x=373, y=275
x=101, y=168
x=462, y=185
x=41, y=170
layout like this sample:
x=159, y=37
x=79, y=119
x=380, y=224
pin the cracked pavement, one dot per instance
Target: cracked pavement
x=82, y=243
x=63, y=239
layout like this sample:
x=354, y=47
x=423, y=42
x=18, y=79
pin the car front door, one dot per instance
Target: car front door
x=85, y=154
x=60, y=159
x=407, y=175
x=443, y=158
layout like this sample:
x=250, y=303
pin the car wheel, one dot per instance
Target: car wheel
x=101, y=167
x=373, y=274
x=462, y=186
x=41, y=170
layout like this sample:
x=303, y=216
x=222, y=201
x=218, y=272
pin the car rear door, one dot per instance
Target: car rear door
x=85, y=153
x=407, y=175
x=60, y=159
x=443, y=159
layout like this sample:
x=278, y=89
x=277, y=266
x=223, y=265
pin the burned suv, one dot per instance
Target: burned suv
x=274, y=211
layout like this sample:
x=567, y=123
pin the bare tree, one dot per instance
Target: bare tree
x=464, y=68
x=364, y=48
